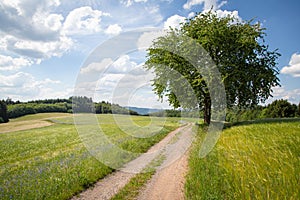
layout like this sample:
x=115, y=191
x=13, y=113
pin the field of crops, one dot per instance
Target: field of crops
x=257, y=161
x=52, y=162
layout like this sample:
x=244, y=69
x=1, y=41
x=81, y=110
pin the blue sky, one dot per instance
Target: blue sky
x=44, y=43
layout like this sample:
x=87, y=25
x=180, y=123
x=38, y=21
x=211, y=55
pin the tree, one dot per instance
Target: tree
x=248, y=69
x=3, y=112
x=280, y=108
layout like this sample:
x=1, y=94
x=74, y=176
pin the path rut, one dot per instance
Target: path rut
x=168, y=181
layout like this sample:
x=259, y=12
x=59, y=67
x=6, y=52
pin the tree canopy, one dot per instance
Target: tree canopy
x=281, y=108
x=237, y=48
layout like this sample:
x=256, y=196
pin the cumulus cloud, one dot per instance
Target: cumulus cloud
x=97, y=67
x=41, y=50
x=128, y=3
x=225, y=13
x=121, y=66
x=29, y=19
x=24, y=86
x=294, y=66
x=147, y=38
x=192, y=14
x=208, y=4
x=114, y=29
x=174, y=21
x=8, y=63
x=32, y=31
x=292, y=96
x=83, y=20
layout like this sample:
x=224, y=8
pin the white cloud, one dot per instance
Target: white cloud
x=41, y=50
x=192, y=14
x=97, y=67
x=83, y=20
x=292, y=96
x=31, y=31
x=174, y=21
x=294, y=66
x=208, y=4
x=147, y=38
x=128, y=3
x=10, y=63
x=122, y=65
x=225, y=13
x=30, y=20
x=23, y=86
x=214, y=5
x=114, y=29
x=53, y=22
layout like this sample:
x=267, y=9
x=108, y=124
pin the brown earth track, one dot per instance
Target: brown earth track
x=168, y=181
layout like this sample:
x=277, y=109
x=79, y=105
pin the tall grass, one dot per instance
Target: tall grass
x=52, y=162
x=257, y=161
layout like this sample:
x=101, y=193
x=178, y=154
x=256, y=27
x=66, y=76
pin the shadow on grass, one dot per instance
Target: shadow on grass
x=261, y=121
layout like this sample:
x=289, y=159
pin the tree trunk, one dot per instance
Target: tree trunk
x=207, y=109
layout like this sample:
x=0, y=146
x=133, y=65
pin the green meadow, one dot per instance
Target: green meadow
x=52, y=162
x=254, y=161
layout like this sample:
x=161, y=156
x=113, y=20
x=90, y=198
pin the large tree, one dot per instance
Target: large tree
x=247, y=66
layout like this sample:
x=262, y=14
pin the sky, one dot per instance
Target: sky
x=47, y=46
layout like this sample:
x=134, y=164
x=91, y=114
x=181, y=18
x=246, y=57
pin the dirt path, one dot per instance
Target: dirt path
x=173, y=169
x=168, y=181
x=167, y=184
x=25, y=124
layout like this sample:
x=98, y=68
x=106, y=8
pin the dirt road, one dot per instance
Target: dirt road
x=168, y=181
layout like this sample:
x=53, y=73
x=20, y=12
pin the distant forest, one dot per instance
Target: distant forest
x=10, y=109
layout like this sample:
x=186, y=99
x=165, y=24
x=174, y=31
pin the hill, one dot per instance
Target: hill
x=143, y=111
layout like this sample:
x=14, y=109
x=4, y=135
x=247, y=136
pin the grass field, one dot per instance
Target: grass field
x=52, y=162
x=30, y=121
x=257, y=161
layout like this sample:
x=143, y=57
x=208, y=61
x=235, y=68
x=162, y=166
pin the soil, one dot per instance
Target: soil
x=167, y=182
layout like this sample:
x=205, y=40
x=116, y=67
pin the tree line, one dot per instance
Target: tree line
x=277, y=109
x=10, y=109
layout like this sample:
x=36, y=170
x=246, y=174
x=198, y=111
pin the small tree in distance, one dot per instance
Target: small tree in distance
x=247, y=67
x=280, y=109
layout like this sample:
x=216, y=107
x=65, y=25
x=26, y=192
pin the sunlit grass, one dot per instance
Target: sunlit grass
x=53, y=163
x=258, y=161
